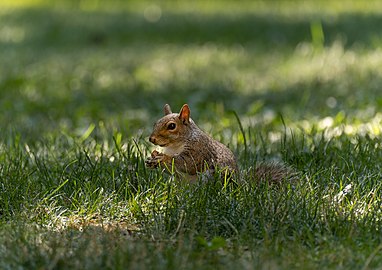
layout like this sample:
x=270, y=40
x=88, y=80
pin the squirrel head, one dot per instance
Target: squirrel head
x=173, y=128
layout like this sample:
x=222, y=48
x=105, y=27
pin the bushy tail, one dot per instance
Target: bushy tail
x=274, y=172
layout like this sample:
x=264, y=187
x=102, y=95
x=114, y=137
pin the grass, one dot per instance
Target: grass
x=82, y=82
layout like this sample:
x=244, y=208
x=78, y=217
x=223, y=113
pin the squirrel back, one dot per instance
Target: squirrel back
x=189, y=151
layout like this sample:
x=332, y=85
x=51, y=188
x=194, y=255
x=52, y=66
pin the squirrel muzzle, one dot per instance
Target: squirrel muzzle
x=152, y=139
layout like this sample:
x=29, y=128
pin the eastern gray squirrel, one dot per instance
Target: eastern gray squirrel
x=189, y=151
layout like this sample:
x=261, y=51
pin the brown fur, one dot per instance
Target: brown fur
x=189, y=151
x=187, y=147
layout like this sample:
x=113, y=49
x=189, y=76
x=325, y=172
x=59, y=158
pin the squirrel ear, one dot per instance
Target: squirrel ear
x=184, y=114
x=167, y=109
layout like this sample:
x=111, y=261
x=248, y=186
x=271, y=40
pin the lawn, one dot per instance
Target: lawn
x=82, y=82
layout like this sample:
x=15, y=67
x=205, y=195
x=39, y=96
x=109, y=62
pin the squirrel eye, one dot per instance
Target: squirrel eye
x=171, y=126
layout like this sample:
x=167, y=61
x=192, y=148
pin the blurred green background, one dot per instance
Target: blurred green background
x=67, y=65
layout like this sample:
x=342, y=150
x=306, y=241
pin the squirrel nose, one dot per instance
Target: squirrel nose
x=152, y=139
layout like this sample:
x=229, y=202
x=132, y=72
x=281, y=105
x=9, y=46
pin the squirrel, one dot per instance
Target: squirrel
x=189, y=151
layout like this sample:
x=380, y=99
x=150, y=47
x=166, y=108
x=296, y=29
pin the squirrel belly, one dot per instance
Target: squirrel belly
x=188, y=151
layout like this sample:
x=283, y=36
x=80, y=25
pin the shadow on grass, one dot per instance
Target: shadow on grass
x=71, y=28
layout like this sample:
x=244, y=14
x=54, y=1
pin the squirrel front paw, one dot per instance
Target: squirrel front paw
x=154, y=160
x=151, y=163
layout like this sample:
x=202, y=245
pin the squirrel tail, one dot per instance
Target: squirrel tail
x=273, y=172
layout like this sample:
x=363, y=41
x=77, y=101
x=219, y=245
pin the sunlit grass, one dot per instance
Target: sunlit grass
x=21, y=3
x=291, y=7
x=71, y=79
